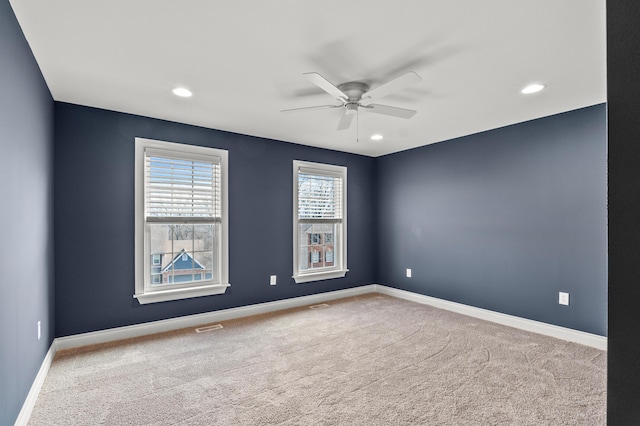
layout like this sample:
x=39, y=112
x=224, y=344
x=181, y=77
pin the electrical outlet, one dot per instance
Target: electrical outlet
x=273, y=280
x=563, y=298
x=39, y=330
x=408, y=273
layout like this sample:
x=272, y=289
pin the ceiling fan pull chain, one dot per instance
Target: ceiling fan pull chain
x=357, y=126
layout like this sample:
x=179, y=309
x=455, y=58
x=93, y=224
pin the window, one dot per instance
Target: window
x=181, y=241
x=320, y=221
x=328, y=256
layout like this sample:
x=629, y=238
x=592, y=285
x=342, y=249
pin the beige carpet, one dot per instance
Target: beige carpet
x=367, y=360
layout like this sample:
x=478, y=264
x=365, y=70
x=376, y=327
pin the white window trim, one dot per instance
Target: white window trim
x=143, y=295
x=340, y=244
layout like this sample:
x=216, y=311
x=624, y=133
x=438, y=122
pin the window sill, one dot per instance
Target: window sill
x=180, y=293
x=317, y=276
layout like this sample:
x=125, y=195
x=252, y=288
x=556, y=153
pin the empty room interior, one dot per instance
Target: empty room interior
x=433, y=179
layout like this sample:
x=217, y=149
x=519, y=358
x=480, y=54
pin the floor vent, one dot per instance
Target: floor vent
x=208, y=328
x=322, y=305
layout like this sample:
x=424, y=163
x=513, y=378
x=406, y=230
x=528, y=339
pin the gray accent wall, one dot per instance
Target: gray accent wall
x=26, y=217
x=503, y=220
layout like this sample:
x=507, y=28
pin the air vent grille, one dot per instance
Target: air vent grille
x=208, y=328
x=322, y=305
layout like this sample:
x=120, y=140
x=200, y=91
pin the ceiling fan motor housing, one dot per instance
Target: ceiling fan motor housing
x=354, y=89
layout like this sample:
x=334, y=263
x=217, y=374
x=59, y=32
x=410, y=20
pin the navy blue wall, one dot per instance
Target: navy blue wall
x=26, y=217
x=503, y=220
x=94, y=218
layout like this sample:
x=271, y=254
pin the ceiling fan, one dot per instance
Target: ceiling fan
x=355, y=95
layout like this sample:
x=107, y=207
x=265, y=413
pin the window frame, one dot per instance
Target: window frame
x=144, y=292
x=339, y=270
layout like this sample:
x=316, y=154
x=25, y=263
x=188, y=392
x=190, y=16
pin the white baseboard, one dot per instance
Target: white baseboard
x=137, y=330
x=32, y=396
x=171, y=324
x=587, y=339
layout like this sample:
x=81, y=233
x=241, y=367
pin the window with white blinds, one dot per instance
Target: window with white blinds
x=319, y=250
x=178, y=188
x=319, y=195
x=181, y=221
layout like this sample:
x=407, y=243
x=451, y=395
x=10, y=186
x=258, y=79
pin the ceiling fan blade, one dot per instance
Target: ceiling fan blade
x=390, y=110
x=312, y=108
x=345, y=120
x=325, y=85
x=392, y=86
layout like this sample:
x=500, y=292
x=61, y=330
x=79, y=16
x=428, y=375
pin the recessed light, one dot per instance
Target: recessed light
x=532, y=88
x=182, y=92
x=376, y=137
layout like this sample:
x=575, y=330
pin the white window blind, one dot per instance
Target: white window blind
x=319, y=196
x=179, y=188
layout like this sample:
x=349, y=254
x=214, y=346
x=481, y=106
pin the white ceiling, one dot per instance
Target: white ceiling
x=244, y=61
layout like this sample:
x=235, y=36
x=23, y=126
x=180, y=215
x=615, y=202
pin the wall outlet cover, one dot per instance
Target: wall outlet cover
x=273, y=279
x=563, y=298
